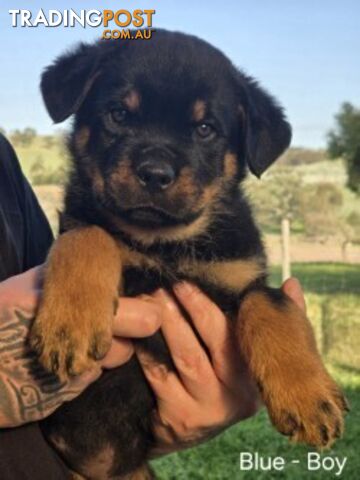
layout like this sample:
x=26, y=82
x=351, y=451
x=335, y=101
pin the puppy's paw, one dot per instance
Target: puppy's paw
x=312, y=413
x=69, y=336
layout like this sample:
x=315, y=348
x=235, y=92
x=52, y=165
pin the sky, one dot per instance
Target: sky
x=306, y=53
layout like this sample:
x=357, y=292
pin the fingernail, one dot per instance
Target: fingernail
x=184, y=288
x=156, y=370
x=160, y=293
x=164, y=296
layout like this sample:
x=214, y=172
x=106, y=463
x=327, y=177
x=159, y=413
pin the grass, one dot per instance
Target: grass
x=219, y=458
x=323, y=278
x=336, y=286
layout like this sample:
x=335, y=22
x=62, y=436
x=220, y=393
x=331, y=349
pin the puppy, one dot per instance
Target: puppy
x=164, y=132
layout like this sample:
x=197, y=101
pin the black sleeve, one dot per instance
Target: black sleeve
x=36, y=233
x=25, y=238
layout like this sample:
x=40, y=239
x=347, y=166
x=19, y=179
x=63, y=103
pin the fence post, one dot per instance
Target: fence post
x=285, y=246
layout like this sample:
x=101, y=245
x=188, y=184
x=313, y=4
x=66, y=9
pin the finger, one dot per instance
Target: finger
x=22, y=290
x=292, y=289
x=213, y=329
x=165, y=384
x=34, y=277
x=120, y=352
x=206, y=316
x=189, y=357
x=136, y=318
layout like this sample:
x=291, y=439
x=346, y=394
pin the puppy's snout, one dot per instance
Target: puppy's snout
x=155, y=169
x=155, y=174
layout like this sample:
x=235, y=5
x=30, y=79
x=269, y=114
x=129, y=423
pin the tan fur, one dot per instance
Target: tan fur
x=97, y=180
x=81, y=140
x=184, y=185
x=231, y=275
x=277, y=341
x=124, y=175
x=99, y=466
x=77, y=306
x=82, y=137
x=210, y=195
x=76, y=476
x=142, y=473
x=177, y=233
x=132, y=100
x=199, y=110
x=230, y=165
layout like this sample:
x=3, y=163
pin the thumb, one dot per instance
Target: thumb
x=292, y=289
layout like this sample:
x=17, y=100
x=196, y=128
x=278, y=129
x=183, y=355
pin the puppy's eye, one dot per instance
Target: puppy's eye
x=204, y=130
x=119, y=114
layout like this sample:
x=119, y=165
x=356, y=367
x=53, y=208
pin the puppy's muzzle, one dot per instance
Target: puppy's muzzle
x=155, y=172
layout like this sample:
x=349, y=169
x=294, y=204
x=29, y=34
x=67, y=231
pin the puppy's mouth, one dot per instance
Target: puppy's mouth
x=150, y=217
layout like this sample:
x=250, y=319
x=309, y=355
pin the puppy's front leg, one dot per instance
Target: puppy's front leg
x=278, y=342
x=73, y=326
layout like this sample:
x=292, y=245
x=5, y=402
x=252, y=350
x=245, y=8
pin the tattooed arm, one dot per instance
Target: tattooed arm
x=27, y=392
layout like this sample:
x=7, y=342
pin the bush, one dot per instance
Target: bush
x=39, y=175
x=301, y=156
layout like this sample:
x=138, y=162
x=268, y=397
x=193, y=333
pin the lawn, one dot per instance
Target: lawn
x=323, y=278
x=219, y=458
x=337, y=287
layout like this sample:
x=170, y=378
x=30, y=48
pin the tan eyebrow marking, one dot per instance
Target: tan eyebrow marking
x=132, y=100
x=199, y=110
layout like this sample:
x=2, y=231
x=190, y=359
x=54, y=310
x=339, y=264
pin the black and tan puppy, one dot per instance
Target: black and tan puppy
x=164, y=131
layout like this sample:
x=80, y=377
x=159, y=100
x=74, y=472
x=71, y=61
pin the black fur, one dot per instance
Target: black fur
x=170, y=72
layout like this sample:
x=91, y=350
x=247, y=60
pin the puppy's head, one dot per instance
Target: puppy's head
x=164, y=129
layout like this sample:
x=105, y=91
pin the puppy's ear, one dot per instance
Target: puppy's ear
x=268, y=133
x=65, y=84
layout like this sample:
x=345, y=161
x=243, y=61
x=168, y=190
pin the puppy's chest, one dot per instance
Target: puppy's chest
x=222, y=279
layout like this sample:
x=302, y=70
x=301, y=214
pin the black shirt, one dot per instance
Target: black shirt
x=25, y=238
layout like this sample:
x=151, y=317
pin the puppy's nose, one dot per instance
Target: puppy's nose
x=156, y=175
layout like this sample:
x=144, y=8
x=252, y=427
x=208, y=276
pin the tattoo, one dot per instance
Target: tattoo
x=27, y=391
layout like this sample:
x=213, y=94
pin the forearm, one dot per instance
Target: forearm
x=28, y=392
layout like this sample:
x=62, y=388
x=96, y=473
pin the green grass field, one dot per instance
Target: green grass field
x=219, y=458
x=323, y=278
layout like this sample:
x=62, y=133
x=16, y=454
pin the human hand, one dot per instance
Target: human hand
x=28, y=392
x=212, y=387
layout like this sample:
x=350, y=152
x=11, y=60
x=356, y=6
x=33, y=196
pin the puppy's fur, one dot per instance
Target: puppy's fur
x=164, y=132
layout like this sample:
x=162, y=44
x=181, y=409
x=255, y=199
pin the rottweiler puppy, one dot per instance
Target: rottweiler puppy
x=164, y=132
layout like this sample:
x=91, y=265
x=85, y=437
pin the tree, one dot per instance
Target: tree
x=324, y=217
x=350, y=232
x=23, y=138
x=2, y=131
x=344, y=141
x=29, y=135
x=278, y=203
x=321, y=210
x=301, y=156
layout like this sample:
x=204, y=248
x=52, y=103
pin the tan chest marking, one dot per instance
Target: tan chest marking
x=231, y=275
x=132, y=258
